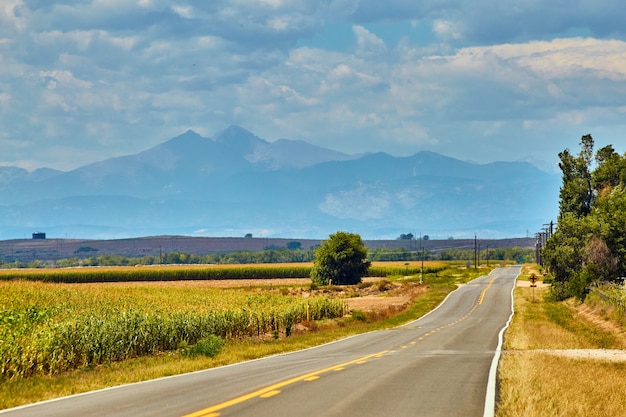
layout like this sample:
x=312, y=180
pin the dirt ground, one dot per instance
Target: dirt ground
x=374, y=297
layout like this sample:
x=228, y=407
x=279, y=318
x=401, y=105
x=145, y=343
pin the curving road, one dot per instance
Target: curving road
x=439, y=365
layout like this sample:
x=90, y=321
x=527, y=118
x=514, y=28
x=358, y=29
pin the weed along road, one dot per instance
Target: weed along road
x=439, y=365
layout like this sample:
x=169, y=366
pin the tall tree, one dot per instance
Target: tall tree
x=611, y=170
x=576, y=195
x=590, y=242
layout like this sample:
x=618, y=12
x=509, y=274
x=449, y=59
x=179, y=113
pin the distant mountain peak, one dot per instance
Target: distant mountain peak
x=189, y=134
x=238, y=134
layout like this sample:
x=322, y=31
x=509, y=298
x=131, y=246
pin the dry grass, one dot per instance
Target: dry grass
x=539, y=385
x=413, y=264
x=534, y=384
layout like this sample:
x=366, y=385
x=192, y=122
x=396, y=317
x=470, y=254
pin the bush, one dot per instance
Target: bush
x=209, y=346
x=358, y=315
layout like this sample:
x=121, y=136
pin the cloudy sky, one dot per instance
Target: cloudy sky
x=485, y=80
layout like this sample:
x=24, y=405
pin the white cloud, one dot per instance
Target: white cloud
x=367, y=42
x=13, y=14
x=447, y=29
x=183, y=11
x=361, y=203
x=436, y=75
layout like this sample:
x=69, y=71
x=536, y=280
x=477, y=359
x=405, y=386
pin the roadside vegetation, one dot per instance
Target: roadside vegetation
x=60, y=338
x=589, y=245
x=563, y=337
x=540, y=375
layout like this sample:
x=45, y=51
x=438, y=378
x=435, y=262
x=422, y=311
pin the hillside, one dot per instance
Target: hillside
x=27, y=250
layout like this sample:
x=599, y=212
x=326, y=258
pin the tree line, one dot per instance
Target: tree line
x=275, y=255
x=589, y=244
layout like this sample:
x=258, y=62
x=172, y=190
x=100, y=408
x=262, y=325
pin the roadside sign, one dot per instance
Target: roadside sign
x=533, y=279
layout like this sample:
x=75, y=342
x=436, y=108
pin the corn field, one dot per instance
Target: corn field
x=201, y=272
x=160, y=273
x=47, y=328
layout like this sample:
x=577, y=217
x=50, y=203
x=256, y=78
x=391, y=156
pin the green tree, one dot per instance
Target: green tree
x=589, y=244
x=611, y=169
x=576, y=194
x=341, y=259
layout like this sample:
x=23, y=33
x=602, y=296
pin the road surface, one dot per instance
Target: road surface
x=439, y=365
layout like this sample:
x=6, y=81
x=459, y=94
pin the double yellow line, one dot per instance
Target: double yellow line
x=272, y=390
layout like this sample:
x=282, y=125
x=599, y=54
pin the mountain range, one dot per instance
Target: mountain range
x=236, y=183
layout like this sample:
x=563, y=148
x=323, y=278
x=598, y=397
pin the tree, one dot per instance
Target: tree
x=576, y=194
x=590, y=242
x=610, y=172
x=294, y=245
x=408, y=236
x=341, y=259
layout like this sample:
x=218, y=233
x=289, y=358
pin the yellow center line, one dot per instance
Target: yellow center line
x=482, y=295
x=480, y=301
x=270, y=394
x=275, y=388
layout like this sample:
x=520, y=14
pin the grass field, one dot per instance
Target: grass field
x=535, y=381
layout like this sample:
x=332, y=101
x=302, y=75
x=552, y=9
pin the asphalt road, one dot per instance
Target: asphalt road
x=439, y=365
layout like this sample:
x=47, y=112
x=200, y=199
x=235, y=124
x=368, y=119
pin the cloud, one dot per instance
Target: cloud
x=367, y=42
x=361, y=203
x=496, y=21
x=447, y=30
x=105, y=78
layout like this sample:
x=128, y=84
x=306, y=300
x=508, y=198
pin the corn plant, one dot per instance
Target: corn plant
x=51, y=328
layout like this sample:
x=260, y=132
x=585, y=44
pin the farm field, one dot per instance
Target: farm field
x=49, y=330
x=199, y=272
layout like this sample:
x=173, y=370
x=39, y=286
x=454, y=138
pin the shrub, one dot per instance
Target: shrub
x=209, y=346
x=358, y=315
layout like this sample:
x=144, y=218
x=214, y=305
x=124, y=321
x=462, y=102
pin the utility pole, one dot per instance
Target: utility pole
x=422, y=270
x=538, y=247
x=475, y=252
x=422, y=273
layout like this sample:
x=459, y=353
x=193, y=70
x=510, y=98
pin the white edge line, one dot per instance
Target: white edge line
x=490, y=397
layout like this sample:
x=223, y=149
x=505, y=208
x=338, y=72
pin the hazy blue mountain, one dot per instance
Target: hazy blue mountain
x=237, y=183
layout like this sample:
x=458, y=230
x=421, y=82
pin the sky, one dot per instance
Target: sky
x=483, y=81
